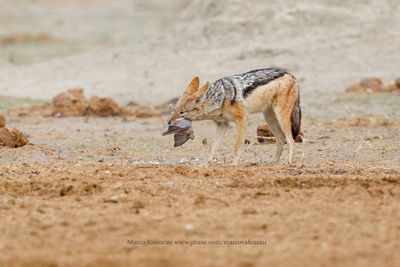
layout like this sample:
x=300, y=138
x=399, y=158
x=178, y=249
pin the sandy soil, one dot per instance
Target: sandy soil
x=84, y=214
x=85, y=186
x=91, y=191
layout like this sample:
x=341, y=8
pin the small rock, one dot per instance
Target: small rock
x=393, y=86
x=19, y=138
x=373, y=84
x=248, y=211
x=13, y=138
x=65, y=190
x=2, y=121
x=41, y=210
x=397, y=83
x=6, y=138
x=300, y=137
x=233, y=184
x=200, y=199
x=264, y=134
x=132, y=103
x=70, y=103
x=91, y=188
x=137, y=204
x=102, y=107
x=245, y=194
x=368, y=85
x=189, y=226
x=204, y=141
x=114, y=199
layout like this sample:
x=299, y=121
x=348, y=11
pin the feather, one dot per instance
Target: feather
x=178, y=126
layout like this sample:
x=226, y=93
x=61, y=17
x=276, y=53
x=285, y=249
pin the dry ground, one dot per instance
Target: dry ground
x=85, y=186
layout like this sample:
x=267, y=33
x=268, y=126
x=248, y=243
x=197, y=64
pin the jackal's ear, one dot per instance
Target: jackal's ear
x=193, y=86
x=202, y=90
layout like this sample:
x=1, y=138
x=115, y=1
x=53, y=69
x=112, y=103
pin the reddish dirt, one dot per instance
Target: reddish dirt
x=2, y=121
x=19, y=38
x=13, y=138
x=84, y=214
x=374, y=85
x=73, y=103
x=264, y=134
x=70, y=103
x=88, y=185
x=103, y=107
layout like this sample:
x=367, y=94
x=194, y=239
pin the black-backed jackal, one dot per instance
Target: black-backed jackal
x=272, y=91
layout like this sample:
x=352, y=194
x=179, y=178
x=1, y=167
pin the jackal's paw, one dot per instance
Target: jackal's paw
x=210, y=160
x=277, y=160
x=291, y=164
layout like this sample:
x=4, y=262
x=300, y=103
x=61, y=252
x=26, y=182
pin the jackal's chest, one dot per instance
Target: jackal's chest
x=221, y=115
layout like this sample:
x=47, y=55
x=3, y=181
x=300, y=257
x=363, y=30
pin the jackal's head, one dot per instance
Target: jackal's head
x=190, y=104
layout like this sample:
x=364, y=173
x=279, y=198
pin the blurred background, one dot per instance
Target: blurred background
x=148, y=50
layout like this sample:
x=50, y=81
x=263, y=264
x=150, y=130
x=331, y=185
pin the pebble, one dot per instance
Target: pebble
x=247, y=211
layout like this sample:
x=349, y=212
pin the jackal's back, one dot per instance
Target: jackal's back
x=240, y=86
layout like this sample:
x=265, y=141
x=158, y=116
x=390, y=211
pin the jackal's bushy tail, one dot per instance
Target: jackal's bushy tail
x=296, y=117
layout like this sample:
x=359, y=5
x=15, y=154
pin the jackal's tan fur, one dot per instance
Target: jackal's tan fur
x=273, y=92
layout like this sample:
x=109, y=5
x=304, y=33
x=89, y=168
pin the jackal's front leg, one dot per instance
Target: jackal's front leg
x=241, y=131
x=238, y=112
x=221, y=130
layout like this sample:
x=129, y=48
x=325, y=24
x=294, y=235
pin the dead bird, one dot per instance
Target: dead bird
x=181, y=138
x=182, y=130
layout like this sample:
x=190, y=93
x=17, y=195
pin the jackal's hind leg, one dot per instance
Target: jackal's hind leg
x=283, y=119
x=276, y=131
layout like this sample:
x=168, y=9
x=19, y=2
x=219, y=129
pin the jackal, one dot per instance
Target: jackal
x=272, y=91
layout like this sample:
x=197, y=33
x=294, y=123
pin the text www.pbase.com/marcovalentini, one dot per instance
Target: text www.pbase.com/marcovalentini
x=156, y=242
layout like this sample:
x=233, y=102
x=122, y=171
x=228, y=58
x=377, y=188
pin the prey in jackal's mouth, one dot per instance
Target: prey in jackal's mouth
x=182, y=130
x=272, y=91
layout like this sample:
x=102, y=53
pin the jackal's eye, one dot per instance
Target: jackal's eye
x=181, y=112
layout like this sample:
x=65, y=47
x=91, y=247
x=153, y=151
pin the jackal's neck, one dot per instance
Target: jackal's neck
x=214, y=98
